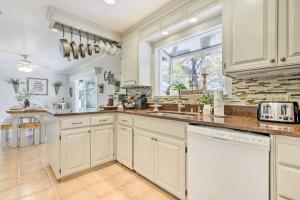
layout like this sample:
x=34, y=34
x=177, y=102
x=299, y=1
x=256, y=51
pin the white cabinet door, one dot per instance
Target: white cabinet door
x=144, y=153
x=124, y=146
x=249, y=34
x=101, y=145
x=289, y=32
x=129, y=71
x=75, y=151
x=170, y=165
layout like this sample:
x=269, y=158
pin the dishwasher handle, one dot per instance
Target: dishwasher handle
x=221, y=135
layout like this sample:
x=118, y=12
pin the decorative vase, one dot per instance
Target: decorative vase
x=16, y=88
x=207, y=109
x=117, y=88
x=26, y=103
x=56, y=89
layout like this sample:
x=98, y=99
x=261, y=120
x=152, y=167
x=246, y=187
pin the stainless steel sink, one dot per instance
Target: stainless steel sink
x=174, y=114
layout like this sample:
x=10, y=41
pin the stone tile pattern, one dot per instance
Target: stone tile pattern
x=139, y=91
x=25, y=174
x=252, y=91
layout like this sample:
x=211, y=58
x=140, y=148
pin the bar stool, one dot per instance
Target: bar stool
x=5, y=128
x=23, y=128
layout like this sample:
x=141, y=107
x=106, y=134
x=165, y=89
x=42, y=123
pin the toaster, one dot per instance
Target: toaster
x=280, y=111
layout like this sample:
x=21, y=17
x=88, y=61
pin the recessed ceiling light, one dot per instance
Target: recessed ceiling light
x=1, y=12
x=165, y=33
x=193, y=20
x=110, y=2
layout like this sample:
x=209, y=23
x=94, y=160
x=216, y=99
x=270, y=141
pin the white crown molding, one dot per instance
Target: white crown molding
x=58, y=15
x=160, y=13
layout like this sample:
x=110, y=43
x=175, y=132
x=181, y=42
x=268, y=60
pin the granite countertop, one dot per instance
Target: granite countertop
x=25, y=110
x=232, y=122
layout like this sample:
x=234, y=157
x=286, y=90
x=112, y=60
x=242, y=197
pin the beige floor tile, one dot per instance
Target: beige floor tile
x=34, y=187
x=8, y=184
x=116, y=195
x=35, y=176
x=68, y=188
x=47, y=194
x=138, y=187
x=112, y=170
x=80, y=195
x=102, y=188
x=9, y=175
x=93, y=177
x=155, y=195
x=10, y=194
x=124, y=177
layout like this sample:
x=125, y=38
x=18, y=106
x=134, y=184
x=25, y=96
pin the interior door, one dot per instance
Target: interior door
x=249, y=34
x=124, y=146
x=75, y=150
x=289, y=32
x=144, y=153
x=101, y=145
x=170, y=165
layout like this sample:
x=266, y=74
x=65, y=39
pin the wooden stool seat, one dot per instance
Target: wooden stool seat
x=30, y=125
x=5, y=126
x=36, y=132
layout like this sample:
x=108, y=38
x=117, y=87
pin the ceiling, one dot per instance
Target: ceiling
x=25, y=28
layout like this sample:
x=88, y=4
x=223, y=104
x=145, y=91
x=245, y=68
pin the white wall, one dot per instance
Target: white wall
x=8, y=99
x=108, y=63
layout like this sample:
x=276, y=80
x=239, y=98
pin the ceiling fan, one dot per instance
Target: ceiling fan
x=25, y=65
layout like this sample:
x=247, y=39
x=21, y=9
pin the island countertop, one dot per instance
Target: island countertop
x=231, y=122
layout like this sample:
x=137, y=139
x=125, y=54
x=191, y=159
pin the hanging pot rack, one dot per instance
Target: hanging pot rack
x=90, y=36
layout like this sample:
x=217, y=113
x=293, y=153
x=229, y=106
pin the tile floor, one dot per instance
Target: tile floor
x=24, y=174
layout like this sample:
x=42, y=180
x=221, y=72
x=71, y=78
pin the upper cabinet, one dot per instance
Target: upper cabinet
x=289, y=32
x=249, y=29
x=130, y=59
x=260, y=35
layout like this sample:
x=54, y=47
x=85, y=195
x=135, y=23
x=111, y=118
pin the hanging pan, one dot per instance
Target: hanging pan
x=96, y=46
x=64, y=46
x=81, y=47
x=73, y=46
x=88, y=46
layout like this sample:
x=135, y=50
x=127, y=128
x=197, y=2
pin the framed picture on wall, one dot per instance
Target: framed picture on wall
x=37, y=86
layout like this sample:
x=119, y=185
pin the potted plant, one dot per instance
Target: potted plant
x=57, y=85
x=117, y=84
x=101, y=88
x=24, y=97
x=15, y=83
x=207, y=100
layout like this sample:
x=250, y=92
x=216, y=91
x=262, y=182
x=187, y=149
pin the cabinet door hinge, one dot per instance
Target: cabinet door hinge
x=60, y=171
x=185, y=192
x=185, y=149
x=60, y=137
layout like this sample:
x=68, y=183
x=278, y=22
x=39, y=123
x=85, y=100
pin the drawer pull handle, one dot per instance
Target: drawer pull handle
x=76, y=123
x=103, y=120
x=124, y=129
x=124, y=120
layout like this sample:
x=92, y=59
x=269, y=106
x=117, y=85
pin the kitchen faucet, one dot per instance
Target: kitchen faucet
x=175, y=85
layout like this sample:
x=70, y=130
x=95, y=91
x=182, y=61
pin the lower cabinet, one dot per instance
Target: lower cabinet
x=161, y=160
x=75, y=150
x=102, y=149
x=124, y=146
x=287, y=168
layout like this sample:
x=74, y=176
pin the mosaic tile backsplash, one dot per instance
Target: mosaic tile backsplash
x=245, y=92
x=284, y=88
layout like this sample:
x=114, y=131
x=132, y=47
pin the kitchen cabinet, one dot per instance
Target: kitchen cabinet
x=287, y=168
x=249, y=34
x=144, y=154
x=159, y=153
x=75, y=150
x=288, y=32
x=170, y=165
x=124, y=146
x=129, y=64
x=102, y=149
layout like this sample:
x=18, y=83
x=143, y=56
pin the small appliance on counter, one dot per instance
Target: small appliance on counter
x=280, y=111
x=141, y=102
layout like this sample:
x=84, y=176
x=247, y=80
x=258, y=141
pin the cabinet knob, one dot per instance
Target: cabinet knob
x=283, y=59
x=272, y=60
